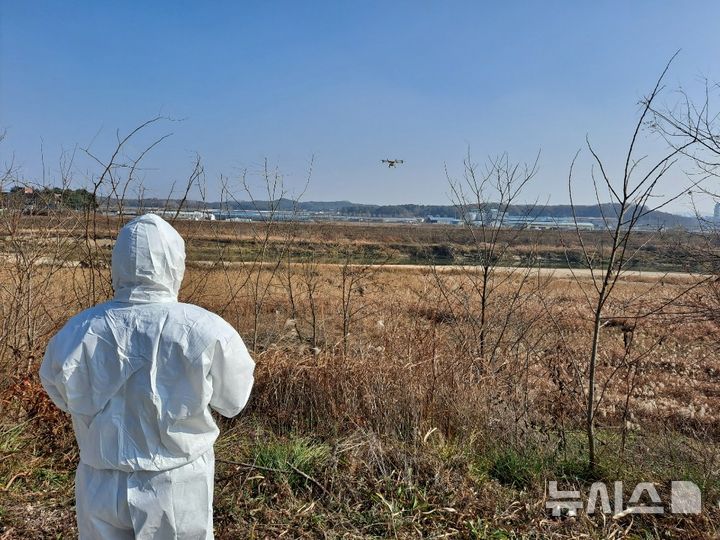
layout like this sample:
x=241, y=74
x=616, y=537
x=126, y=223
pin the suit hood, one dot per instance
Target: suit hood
x=148, y=261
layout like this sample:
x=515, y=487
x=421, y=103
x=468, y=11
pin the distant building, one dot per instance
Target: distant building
x=515, y=222
x=443, y=220
x=543, y=222
x=192, y=215
x=716, y=214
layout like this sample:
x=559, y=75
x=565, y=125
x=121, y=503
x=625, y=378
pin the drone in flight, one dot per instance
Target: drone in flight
x=392, y=162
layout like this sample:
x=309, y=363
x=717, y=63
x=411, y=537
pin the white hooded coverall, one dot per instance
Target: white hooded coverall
x=138, y=375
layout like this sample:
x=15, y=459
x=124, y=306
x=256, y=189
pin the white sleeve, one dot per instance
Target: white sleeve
x=51, y=379
x=231, y=373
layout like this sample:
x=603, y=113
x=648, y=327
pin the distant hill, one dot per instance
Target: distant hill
x=585, y=212
x=348, y=208
x=280, y=204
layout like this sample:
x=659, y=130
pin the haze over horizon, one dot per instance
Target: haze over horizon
x=349, y=84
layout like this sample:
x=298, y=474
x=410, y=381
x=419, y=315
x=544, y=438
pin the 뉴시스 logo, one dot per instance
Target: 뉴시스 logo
x=685, y=498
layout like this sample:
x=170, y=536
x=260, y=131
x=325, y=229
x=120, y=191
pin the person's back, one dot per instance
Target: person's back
x=138, y=375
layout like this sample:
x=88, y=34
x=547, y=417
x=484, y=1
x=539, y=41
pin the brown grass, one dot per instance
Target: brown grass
x=402, y=429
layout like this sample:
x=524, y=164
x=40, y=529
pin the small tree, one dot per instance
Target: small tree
x=633, y=195
x=486, y=200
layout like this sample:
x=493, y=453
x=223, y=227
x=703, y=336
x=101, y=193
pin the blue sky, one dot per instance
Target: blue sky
x=348, y=82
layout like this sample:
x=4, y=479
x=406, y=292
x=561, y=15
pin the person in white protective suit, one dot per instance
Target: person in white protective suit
x=138, y=375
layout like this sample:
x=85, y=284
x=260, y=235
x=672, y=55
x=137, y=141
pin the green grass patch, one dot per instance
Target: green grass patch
x=480, y=529
x=290, y=456
x=513, y=468
x=51, y=478
x=11, y=437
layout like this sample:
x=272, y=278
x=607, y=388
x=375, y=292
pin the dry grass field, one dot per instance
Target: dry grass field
x=383, y=406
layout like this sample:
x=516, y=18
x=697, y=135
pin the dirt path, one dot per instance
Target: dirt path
x=559, y=273
x=566, y=273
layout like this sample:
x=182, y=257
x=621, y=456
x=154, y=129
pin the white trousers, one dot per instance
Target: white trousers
x=174, y=504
